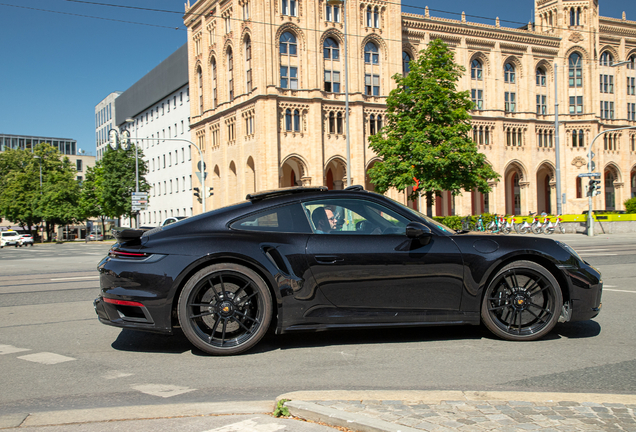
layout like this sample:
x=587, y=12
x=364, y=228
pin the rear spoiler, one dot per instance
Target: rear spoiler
x=127, y=234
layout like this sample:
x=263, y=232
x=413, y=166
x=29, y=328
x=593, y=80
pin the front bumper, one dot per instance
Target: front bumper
x=585, y=292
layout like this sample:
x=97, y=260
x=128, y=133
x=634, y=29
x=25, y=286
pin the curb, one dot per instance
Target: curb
x=334, y=417
x=142, y=412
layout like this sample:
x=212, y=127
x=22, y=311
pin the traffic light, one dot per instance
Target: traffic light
x=594, y=187
x=211, y=193
x=197, y=193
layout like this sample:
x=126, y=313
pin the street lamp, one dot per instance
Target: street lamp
x=343, y=4
x=40, y=161
x=129, y=121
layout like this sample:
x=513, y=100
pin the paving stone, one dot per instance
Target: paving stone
x=528, y=426
x=520, y=403
x=600, y=409
x=568, y=403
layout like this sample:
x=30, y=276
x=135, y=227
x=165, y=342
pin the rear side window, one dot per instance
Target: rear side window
x=289, y=218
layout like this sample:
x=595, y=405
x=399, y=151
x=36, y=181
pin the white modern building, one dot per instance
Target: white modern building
x=104, y=122
x=159, y=107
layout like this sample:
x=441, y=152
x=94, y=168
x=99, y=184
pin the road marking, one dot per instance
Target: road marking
x=249, y=426
x=74, y=278
x=596, y=254
x=591, y=250
x=634, y=292
x=162, y=390
x=46, y=358
x=10, y=349
x=115, y=375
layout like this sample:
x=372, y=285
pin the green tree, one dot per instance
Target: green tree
x=426, y=134
x=19, y=187
x=90, y=202
x=118, y=181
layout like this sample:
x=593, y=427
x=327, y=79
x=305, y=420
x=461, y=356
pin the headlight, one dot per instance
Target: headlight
x=569, y=249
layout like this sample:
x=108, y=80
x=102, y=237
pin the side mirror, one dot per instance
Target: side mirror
x=417, y=230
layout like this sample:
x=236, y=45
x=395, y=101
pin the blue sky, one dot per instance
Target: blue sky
x=55, y=67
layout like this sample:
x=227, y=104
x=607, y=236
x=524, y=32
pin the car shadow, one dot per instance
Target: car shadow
x=137, y=341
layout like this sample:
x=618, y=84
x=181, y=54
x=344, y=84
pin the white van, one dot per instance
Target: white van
x=9, y=238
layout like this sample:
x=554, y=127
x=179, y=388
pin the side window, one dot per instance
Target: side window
x=353, y=216
x=290, y=219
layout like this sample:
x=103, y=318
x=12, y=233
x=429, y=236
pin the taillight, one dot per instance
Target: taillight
x=114, y=253
x=123, y=302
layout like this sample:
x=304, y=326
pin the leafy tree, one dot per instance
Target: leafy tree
x=630, y=205
x=426, y=135
x=19, y=187
x=118, y=181
x=90, y=201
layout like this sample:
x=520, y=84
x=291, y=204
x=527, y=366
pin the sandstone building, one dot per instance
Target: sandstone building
x=268, y=104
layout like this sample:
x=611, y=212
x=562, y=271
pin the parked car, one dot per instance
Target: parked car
x=9, y=238
x=93, y=236
x=25, y=240
x=312, y=259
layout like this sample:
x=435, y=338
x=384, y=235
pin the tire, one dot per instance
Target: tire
x=548, y=231
x=537, y=229
x=562, y=229
x=522, y=302
x=225, y=309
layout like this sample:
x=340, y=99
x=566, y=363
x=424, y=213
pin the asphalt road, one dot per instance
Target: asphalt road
x=55, y=355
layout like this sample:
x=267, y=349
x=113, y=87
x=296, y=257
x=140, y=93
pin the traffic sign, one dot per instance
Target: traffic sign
x=590, y=174
x=140, y=194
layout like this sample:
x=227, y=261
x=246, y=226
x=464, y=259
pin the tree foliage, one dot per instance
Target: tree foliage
x=426, y=134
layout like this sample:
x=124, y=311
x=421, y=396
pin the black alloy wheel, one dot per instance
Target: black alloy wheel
x=523, y=302
x=225, y=309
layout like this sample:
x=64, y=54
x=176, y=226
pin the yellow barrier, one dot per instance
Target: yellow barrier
x=607, y=217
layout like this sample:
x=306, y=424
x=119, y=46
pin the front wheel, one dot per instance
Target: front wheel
x=522, y=302
x=537, y=229
x=561, y=229
x=225, y=309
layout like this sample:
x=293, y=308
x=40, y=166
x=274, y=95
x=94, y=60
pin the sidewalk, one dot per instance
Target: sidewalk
x=360, y=411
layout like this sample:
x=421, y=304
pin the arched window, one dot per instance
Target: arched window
x=632, y=62
x=339, y=123
x=406, y=59
x=296, y=121
x=371, y=69
x=332, y=122
x=288, y=61
x=575, y=71
x=200, y=78
x=331, y=54
x=581, y=138
x=248, y=63
x=476, y=70
x=578, y=16
x=230, y=73
x=288, y=44
x=376, y=17
x=372, y=124
x=509, y=73
x=607, y=59
x=541, y=77
x=214, y=84
x=572, y=17
x=288, y=120
x=369, y=17
x=330, y=49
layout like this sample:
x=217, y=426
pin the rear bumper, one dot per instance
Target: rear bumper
x=131, y=317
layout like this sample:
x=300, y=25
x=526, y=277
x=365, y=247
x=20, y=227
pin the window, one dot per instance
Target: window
x=353, y=216
x=631, y=111
x=332, y=122
x=578, y=139
x=575, y=71
x=79, y=166
x=369, y=16
x=289, y=7
x=288, y=44
x=607, y=59
x=607, y=110
x=541, y=77
x=607, y=83
x=330, y=49
x=230, y=79
x=481, y=135
x=200, y=78
x=248, y=63
x=579, y=187
x=509, y=73
x=376, y=17
x=631, y=86
x=339, y=123
x=246, y=10
x=510, y=99
x=544, y=138
x=514, y=137
x=332, y=13
x=542, y=107
x=576, y=104
x=476, y=70
x=290, y=218
x=371, y=55
x=375, y=124
x=406, y=60
x=214, y=87
x=477, y=97
x=289, y=77
x=332, y=81
x=372, y=84
x=632, y=62
x=292, y=120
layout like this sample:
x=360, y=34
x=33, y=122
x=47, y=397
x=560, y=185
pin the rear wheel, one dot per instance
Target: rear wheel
x=523, y=302
x=225, y=309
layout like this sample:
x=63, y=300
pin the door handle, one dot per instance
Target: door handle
x=328, y=259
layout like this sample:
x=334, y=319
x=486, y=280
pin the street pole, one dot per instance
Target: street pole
x=346, y=65
x=557, y=152
x=132, y=121
x=590, y=221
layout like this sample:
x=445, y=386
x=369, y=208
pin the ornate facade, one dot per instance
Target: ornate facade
x=268, y=102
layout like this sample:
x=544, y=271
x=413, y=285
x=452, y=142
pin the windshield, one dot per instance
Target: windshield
x=10, y=234
x=433, y=222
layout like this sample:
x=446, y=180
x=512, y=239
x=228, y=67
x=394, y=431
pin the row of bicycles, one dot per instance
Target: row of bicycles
x=505, y=225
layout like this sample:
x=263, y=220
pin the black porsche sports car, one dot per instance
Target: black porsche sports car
x=312, y=259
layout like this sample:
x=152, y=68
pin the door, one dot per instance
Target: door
x=366, y=260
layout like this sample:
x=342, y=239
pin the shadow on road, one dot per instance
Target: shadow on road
x=136, y=341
